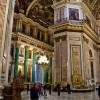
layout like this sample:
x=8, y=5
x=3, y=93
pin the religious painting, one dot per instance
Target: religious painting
x=73, y=14
x=20, y=73
x=29, y=73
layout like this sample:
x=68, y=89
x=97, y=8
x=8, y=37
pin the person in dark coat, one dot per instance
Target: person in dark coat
x=68, y=88
x=45, y=90
x=28, y=88
x=99, y=90
x=50, y=89
x=58, y=89
x=34, y=93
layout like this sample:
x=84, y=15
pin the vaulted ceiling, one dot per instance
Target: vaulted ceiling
x=42, y=12
x=38, y=10
x=94, y=6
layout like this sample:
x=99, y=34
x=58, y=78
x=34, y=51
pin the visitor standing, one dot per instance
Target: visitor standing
x=45, y=90
x=50, y=89
x=58, y=89
x=34, y=94
x=68, y=88
x=28, y=88
x=99, y=90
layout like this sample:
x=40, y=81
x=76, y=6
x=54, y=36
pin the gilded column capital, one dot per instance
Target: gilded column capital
x=17, y=45
x=27, y=46
x=31, y=48
x=35, y=51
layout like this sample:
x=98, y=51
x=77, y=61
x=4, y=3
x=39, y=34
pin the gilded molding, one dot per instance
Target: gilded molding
x=32, y=41
x=28, y=20
x=83, y=27
x=17, y=45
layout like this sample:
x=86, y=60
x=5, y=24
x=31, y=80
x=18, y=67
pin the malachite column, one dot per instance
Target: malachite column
x=45, y=75
x=33, y=67
x=50, y=70
x=26, y=62
x=16, y=61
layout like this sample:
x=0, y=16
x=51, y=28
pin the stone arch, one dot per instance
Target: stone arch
x=30, y=6
x=90, y=53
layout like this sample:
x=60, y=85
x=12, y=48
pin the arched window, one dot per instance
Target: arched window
x=90, y=53
x=92, y=70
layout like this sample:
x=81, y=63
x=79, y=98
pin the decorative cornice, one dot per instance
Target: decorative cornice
x=83, y=27
x=60, y=3
x=28, y=20
x=32, y=41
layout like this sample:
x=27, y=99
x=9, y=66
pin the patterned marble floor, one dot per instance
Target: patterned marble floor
x=73, y=96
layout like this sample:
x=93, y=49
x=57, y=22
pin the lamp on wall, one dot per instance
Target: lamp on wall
x=43, y=61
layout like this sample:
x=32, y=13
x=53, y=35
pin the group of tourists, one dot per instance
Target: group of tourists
x=68, y=88
x=38, y=90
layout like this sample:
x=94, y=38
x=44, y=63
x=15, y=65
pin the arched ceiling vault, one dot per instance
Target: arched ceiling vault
x=42, y=12
x=38, y=10
x=94, y=6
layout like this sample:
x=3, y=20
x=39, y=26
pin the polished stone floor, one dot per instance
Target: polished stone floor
x=73, y=96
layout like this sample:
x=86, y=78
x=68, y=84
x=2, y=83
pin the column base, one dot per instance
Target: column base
x=1, y=91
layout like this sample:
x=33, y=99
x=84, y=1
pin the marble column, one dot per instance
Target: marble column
x=33, y=67
x=6, y=16
x=28, y=29
x=26, y=62
x=46, y=75
x=50, y=70
x=35, y=32
x=16, y=61
x=46, y=39
x=13, y=63
x=19, y=25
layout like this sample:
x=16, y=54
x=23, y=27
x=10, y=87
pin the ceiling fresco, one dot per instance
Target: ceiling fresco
x=42, y=12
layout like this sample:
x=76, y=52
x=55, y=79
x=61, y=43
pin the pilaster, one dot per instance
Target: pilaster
x=28, y=29
x=45, y=75
x=26, y=62
x=16, y=60
x=33, y=66
x=19, y=25
x=35, y=32
x=46, y=38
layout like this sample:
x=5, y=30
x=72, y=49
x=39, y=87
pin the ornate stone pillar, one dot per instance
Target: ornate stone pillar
x=6, y=16
x=40, y=35
x=19, y=25
x=46, y=38
x=45, y=75
x=35, y=32
x=33, y=66
x=26, y=62
x=16, y=60
x=28, y=29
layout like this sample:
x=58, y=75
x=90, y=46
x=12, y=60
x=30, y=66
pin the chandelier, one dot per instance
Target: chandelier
x=43, y=61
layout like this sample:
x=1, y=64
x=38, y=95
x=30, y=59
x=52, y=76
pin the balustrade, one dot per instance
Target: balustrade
x=81, y=21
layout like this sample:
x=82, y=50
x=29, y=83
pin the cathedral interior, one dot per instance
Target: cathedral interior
x=50, y=42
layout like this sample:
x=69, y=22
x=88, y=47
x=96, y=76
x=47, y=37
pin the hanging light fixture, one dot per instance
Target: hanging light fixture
x=43, y=61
